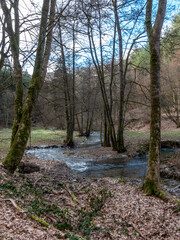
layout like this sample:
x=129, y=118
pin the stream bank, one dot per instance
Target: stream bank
x=88, y=159
x=101, y=209
x=94, y=208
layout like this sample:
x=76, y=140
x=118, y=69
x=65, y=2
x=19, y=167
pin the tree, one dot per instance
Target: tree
x=171, y=41
x=22, y=132
x=120, y=137
x=152, y=183
x=14, y=43
x=68, y=96
x=171, y=90
x=99, y=65
x=3, y=50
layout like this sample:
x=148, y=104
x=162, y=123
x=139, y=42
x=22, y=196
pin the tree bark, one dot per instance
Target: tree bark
x=120, y=134
x=100, y=73
x=69, y=100
x=14, y=156
x=14, y=43
x=152, y=183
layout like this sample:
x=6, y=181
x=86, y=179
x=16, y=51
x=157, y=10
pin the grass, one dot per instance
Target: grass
x=136, y=134
x=168, y=135
x=171, y=135
x=5, y=137
x=39, y=136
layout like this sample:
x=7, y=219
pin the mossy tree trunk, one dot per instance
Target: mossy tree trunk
x=19, y=142
x=152, y=183
x=14, y=44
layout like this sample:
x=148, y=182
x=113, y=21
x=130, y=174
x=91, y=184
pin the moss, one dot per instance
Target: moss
x=150, y=188
x=40, y=220
x=122, y=180
x=12, y=159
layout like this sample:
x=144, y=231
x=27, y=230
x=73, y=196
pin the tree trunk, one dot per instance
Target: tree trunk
x=14, y=43
x=100, y=73
x=69, y=100
x=120, y=134
x=153, y=177
x=106, y=142
x=14, y=156
x=152, y=183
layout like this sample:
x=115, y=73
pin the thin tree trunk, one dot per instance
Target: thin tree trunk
x=69, y=100
x=102, y=86
x=120, y=134
x=14, y=43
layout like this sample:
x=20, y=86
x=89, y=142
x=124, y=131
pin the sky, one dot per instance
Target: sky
x=32, y=11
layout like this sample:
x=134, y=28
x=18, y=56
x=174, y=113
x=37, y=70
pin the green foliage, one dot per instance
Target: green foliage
x=171, y=41
x=122, y=180
x=35, y=203
x=86, y=224
x=177, y=208
x=6, y=79
x=124, y=231
x=63, y=225
x=9, y=189
x=26, y=79
x=140, y=59
x=73, y=236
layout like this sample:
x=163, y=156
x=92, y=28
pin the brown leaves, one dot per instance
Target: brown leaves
x=127, y=214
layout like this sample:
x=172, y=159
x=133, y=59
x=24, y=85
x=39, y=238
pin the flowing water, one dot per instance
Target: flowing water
x=104, y=167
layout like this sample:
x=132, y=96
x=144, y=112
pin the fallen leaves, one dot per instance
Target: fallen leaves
x=127, y=213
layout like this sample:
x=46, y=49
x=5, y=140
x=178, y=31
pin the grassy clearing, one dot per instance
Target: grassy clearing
x=129, y=134
x=166, y=135
x=5, y=137
x=39, y=136
x=171, y=135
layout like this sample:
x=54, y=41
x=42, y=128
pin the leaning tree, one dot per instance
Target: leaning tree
x=22, y=122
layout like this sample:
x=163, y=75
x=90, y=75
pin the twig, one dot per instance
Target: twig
x=72, y=195
x=40, y=220
x=177, y=187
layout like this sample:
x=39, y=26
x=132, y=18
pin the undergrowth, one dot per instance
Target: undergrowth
x=34, y=201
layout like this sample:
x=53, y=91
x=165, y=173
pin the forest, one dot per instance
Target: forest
x=89, y=119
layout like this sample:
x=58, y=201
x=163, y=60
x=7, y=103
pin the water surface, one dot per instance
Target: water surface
x=99, y=167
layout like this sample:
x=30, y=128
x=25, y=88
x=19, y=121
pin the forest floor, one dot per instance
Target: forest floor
x=45, y=200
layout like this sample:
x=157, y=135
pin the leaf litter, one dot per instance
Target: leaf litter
x=80, y=208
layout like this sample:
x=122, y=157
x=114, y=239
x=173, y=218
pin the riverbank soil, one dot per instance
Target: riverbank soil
x=44, y=200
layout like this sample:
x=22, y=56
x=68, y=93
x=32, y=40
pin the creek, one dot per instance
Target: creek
x=121, y=167
x=132, y=170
